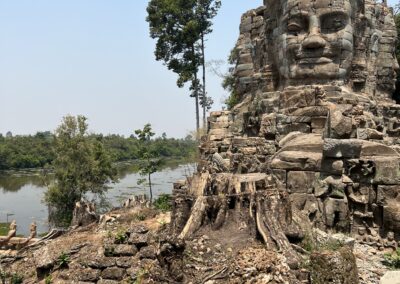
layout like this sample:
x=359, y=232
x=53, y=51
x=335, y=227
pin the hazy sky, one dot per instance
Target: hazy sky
x=95, y=57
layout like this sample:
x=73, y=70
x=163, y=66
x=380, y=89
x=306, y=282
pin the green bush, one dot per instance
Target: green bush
x=392, y=260
x=63, y=260
x=48, y=279
x=163, y=202
x=120, y=237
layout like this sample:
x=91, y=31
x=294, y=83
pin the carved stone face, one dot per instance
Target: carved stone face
x=316, y=39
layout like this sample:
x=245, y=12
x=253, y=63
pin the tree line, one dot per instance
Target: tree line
x=37, y=151
x=82, y=163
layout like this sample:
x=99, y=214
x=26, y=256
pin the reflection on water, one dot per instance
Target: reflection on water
x=15, y=180
x=21, y=192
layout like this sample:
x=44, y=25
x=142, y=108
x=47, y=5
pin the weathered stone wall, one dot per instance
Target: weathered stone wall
x=316, y=116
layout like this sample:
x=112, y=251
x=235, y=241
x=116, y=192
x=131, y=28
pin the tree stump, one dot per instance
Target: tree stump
x=255, y=202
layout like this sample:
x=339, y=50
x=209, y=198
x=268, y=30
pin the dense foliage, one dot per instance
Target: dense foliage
x=26, y=151
x=81, y=165
x=35, y=151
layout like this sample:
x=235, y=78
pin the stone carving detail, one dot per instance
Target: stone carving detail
x=315, y=137
x=11, y=241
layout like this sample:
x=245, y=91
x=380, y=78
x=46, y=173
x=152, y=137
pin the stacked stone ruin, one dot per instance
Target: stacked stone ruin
x=315, y=139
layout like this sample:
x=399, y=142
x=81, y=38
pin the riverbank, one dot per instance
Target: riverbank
x=21, y=192
x=169, y=162
x=22, y=152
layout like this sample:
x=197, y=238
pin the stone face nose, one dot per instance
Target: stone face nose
x=314, y=41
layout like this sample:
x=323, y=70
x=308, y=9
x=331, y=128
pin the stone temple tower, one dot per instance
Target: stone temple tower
x=315, y=138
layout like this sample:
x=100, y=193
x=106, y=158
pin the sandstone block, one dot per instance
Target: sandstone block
x=391, y=277
x=301, y=181
x=334, y=267
x=89, y=274
x=367, y=133
x=101, y=263
x=113, y=273
x=346, y=148
x=386, y=193
x=296, y=160
x=139, y=240
x=318, y=122
x=340, y=126
x=147, y=252
x=107, y=281
x=387, y=170
x=125, y=250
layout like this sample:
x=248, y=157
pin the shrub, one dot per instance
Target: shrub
x=392, y=260
x=16, y=278
x=163, y=202
x=48, y=279
x=139, y=217
x=63, y=260
x=120, y=237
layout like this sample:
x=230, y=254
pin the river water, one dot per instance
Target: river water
x=21, y=192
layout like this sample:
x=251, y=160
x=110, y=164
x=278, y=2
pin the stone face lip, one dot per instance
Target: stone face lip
x=391, y=277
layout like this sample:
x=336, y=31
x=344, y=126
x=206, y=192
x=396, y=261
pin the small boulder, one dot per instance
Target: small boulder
x=334, y=267
x=113, y=273
x=89, y=275
x=125, y=250
x=140, y=240
x=147, y=252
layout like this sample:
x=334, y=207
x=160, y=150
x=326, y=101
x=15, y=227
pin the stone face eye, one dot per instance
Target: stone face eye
x=334, y=22
x=296, y=25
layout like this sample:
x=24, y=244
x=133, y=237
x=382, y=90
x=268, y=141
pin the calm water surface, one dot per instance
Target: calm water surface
x=21, y=192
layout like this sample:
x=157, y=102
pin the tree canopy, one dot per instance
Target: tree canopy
x=180, y=27
x=81, y=165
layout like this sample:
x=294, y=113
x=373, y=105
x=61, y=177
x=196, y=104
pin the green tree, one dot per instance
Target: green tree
x=205, y=11
x=150, y=160
x=180, y=27
x=173, y=25
x=81, y=166
x=229, y=80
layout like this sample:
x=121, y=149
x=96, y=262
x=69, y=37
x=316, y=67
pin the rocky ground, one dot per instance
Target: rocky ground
x=369, y=263
x=131, y=246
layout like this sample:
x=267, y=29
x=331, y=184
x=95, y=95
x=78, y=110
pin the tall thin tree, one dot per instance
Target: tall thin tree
x=173, y=24
x=180, y=27
x=205, y=11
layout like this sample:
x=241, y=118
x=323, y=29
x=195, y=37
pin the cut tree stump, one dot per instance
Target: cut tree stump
x=253, y=199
